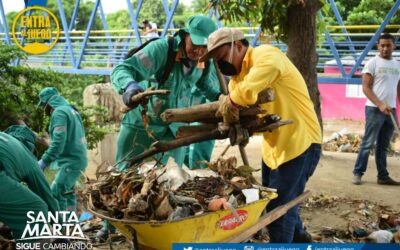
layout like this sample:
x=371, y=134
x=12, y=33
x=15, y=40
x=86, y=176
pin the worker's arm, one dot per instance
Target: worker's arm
x=267, y=68
x=141, y=66
x=209, y=85
x=58, y=135
x=367, y=83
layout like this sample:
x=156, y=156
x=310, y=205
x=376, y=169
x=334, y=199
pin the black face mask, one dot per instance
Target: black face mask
x=227, y=68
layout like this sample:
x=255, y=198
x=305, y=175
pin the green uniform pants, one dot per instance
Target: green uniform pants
x=132, y=142
x=15, y=201
x=199, y=152
x=63, y=188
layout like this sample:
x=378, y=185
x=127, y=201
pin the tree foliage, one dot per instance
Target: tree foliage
x=292, y=21
x=20, y=88
x=363, y=12
x=271, y=14
x=83, y=16
x=371, y=12
x=119, y=20
x=154, y=12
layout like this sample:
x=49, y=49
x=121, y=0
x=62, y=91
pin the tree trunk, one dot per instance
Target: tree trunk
x=302, y=42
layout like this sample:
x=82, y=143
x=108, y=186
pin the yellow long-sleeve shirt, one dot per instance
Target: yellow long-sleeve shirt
x=264, y=67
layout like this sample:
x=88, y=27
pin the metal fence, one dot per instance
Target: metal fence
x=97, y=51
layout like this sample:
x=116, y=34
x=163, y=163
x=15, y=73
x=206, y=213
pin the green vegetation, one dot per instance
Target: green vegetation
x=20, y=89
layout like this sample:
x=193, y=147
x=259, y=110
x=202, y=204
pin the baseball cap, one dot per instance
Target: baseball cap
x=45, y=95
x=220, y=37
x=199, y=28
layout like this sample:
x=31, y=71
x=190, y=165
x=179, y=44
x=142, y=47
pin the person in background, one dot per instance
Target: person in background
x=149, y=29
x=290, y=153
x=380, y=81
x=67, y=148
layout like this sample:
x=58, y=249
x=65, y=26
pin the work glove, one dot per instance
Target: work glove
x=228, y=110
x=42, y=164
x=132, y=89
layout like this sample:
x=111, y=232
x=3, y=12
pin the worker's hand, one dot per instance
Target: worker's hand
x=42, y=164
x=228, y=110
x=385, y=109
x=132, y=89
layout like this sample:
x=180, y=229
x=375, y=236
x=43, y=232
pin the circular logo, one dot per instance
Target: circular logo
x=36, y=25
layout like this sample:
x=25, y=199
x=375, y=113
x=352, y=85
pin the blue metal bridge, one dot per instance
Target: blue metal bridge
x=97, y=51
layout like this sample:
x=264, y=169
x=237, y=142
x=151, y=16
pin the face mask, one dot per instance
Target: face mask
x=227, y=68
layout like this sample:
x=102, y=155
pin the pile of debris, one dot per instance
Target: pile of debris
x=343, y=142
x=171, y=192
x=352, y=220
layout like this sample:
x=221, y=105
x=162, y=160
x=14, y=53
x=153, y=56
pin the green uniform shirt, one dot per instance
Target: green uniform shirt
x=149, y=63
x=18, y=163
x=67, y=134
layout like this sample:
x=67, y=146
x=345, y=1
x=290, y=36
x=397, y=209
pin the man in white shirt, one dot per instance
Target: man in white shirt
x=381, y=76
x=150, y=29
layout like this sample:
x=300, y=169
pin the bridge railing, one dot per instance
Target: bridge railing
x=106, y=48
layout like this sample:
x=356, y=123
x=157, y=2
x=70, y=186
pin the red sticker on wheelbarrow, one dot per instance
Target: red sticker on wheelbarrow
x=232, y=221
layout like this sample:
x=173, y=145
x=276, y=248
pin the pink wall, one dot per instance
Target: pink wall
x=335, y=104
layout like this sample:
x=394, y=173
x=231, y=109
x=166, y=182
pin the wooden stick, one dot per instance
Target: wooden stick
x=203, y=113
x=191, y=114
x=184, y=131
x=162, y=146
x=267, y=219
x=143, y=95
x=206, y=112
x=267, y=95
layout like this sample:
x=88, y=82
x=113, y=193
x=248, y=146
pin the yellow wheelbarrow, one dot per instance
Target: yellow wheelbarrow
x=219, y=226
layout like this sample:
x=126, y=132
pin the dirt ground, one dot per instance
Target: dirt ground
x=334, y=171
x=332, y=178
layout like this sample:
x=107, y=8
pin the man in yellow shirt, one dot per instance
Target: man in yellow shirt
x=290, y=153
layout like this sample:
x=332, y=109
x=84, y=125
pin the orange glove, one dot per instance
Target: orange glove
x=228, y=110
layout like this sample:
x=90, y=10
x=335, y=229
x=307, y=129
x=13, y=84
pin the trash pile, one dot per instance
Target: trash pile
x=352, y=220
x=6, y=239
x=170, y=193
x=343, y=141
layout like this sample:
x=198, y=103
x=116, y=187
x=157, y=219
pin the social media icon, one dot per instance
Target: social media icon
x=248, y=248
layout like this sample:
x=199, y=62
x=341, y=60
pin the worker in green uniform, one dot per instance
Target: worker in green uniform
x=138, y=72
x=17, y=164
x=23, y=134
x=197, y=154
x=135, y=74
x=67, y=148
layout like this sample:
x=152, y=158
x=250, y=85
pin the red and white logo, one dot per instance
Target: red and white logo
x=232, y=221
